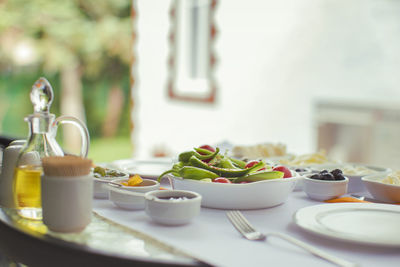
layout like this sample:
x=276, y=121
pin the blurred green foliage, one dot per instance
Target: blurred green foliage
x=14, y=99
x=93, y=35
x=88, y=32
x=107, y=150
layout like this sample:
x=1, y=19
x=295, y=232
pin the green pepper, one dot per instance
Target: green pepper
x=203, y=151
x=185, y=156
x=222, y=171
x=238, y=162
x=177, y=166
x=214, y=161
x=190, y=172
x=227, y=163
x=259, y=176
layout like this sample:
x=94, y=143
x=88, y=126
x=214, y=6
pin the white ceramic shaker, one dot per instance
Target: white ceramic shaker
x=10, y=155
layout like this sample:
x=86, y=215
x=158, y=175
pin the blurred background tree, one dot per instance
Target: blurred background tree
x=82, y=46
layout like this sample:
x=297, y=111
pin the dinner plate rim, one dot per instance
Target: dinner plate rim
x=314, y=229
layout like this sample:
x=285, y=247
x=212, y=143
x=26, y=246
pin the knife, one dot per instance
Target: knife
x=370, y=199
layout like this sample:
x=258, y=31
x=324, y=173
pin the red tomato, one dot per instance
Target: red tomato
x=208, y=147
x=252, y=163
x=222, y=180
x=286, y=172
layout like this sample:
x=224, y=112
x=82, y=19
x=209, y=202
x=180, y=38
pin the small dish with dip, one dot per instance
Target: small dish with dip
x=130, y=197
x=172, y=207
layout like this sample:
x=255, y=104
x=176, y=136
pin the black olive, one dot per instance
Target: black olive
x=339, y=177
x=324, y=171
x=327, y=177
x=315, y=176
x=335, y=172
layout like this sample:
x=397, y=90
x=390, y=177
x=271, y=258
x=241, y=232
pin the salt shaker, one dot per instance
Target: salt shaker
x=10, y=155
x=66, y=192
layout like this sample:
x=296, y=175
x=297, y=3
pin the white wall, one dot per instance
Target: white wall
x=275, y=58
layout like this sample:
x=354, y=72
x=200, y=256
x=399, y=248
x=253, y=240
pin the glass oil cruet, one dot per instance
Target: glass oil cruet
x=41, y=143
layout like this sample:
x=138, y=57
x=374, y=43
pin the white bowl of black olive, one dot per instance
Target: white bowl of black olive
x=325, y=184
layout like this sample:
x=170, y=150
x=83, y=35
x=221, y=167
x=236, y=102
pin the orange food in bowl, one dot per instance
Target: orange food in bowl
x=135, y=180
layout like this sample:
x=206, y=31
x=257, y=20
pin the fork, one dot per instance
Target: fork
x=249, y=232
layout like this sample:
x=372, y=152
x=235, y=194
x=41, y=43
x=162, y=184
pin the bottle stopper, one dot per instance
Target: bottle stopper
x=42, y=95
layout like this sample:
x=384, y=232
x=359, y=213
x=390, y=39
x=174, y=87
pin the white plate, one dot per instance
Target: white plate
x=149, y=168
x=364, y=223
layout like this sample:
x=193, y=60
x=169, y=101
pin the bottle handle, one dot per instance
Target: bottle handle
x=85, y=139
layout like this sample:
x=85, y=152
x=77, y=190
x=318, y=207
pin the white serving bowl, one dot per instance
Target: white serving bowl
x=355, y=184
x=100, y=187
x=324, y=190
x=167, y=211
x=380, y=191
x=125, y=199
x=146, y=186
x=256, y=195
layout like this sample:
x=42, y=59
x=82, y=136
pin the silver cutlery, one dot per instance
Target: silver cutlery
x=107, y=182
x=249, y=232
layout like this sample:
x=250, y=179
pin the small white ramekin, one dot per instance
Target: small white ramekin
x=324, y=190
x=172, y=207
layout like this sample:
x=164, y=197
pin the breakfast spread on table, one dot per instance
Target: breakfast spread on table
x=204, y=177
x=247, y=178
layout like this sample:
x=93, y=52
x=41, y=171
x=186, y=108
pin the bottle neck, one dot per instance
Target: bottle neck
x=40, y=123
x=41, y=141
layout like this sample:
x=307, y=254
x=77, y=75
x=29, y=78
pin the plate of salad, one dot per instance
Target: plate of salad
x=228, y=183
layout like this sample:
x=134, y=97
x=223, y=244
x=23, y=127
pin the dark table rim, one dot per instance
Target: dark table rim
x=43, y=250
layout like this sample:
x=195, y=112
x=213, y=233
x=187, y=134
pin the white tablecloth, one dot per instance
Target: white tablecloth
x=213, y=239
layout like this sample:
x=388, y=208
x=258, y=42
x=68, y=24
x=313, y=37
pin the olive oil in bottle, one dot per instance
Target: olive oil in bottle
x=27, y=195
x=40, y=143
